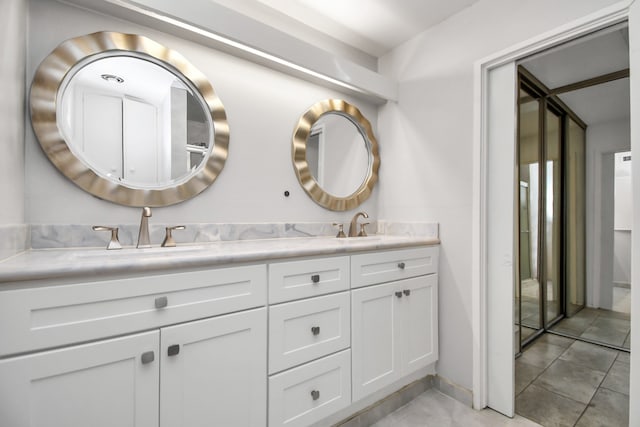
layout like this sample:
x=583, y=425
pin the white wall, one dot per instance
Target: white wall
x=428, y=136
x=603, y=139
x=12, y=45
x=263, y=107
x=623, y=220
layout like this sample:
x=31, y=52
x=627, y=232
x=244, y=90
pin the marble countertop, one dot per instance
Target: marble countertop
x=68, y=263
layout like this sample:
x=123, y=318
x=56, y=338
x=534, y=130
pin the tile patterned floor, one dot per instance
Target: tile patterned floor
x=609, y=327
x=560, y=382
x=563, y=382
x=434, y=409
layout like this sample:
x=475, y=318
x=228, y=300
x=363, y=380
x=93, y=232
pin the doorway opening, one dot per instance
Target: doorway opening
x=572, y=293
x=569, y=132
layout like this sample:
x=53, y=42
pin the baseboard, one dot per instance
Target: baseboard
x=453, y=390
x=383, y=407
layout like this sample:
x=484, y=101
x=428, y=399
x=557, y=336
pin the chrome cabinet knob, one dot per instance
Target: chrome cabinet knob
x=173, y=350
x=147, y=357
x=161, y=302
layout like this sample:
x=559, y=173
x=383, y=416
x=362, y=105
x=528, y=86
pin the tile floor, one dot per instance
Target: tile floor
x=434, y=409
x=606, y=326
x=609, y=327
x=559, y=382
x=564, y=382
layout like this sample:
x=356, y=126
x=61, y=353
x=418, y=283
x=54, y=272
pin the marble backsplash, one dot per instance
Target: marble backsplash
x=13, y=239
x=44, y=236
x=409, y=229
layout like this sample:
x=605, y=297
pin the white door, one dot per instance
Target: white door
x=420, y=322
x=102, y=133
x=375, y=355
x=140, y=142
x=500, y=239
x=214, y=371
x=103, y=384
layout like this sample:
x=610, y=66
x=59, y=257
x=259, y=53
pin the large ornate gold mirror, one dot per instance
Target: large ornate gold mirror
x=129, y=120
x=335, y=155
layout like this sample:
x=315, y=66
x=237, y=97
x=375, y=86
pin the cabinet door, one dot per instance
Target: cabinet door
x=375, y=355
x=214, y=371
x=419, y=322
x=106, y=383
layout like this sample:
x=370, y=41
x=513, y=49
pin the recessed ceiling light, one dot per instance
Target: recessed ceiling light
x=112, y=78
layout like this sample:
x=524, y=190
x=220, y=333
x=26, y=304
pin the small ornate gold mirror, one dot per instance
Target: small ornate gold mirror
x=335, y=155
x=128, y=120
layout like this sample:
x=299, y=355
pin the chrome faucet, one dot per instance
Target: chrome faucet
x=353, y=227
x=143, y=234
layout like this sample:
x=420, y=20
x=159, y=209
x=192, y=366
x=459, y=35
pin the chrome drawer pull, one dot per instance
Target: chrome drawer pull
x=147, y=357
x=399, y=294
x=315, y=394
x=315, y=330
x=172, y=350
x=401, y=265
x=407, y=292
x=161, y=302
x=315, y=278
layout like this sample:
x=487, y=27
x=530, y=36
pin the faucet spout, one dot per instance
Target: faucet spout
x=353, y=227
x=143, y=233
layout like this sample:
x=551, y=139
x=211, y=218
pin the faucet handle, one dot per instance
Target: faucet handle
x=363, y=232
x=340, y=234
x=168, y=241
x=114, y=243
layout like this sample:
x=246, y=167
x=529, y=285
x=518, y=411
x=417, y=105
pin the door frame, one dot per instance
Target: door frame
x=490, y=390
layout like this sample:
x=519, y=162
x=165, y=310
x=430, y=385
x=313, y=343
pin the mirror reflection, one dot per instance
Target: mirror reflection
x=134, y=122
x=128, y=120
x=337, y=154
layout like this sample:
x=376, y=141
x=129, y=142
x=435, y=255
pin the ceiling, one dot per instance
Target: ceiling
x=372, y=26
x=594, y=55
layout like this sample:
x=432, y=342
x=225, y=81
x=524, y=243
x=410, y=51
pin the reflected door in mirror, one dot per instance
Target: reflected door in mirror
x=337, y=154
x=140, y=125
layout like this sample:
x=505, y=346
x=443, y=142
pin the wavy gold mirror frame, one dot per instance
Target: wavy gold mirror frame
x=301, y=166
x=49, y=79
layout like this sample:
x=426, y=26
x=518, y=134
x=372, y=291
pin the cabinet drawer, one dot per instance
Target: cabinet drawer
x=369, y=269
x=305, y=330
x=307, y=394
x=52, y=316
x=302, y=279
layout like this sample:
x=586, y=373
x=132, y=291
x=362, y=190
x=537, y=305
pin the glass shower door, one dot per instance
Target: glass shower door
x=528, y=298
x=552, y=237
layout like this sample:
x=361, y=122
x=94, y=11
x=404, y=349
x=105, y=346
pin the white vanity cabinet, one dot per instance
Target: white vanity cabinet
x=309, y=340
x=395, y=324
x=103, y=384
x=283, y=343
x=213, y=371
x=184, y=371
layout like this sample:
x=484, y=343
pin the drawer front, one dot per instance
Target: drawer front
x=380, y=267
x=301, y=331
x=308, y=278
x=46, y=317
x=311, y=392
